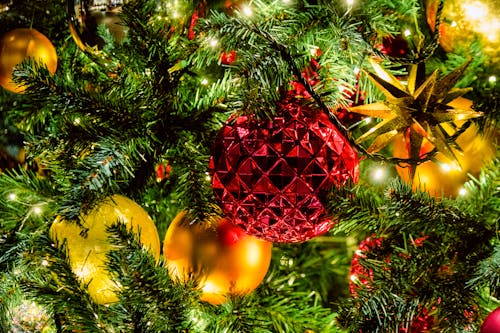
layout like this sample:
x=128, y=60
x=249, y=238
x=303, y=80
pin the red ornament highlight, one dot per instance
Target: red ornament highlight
x=271, y=177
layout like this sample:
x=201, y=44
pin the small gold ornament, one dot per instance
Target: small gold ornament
x=19, y=44
x=221, y=257
x=418, y=109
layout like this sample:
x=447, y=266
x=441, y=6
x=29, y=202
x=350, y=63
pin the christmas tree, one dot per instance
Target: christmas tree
x=249, y=166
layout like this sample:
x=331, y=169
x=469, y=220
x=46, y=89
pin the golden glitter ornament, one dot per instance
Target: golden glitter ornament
x=465, y=21
x=418, y=108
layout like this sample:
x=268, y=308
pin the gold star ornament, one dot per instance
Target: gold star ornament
x=417, y=109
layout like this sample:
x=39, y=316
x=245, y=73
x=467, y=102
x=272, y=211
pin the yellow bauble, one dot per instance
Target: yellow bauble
x=18, y=45
x=218, y=255
x=88, y=245
x=445, y=177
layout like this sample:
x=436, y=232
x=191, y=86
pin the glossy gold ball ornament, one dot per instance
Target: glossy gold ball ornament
x=221, y=257
x=18, y=45
x=442, y=176
x=88, y=245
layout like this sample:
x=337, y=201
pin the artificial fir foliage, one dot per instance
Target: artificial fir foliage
x=138, y=117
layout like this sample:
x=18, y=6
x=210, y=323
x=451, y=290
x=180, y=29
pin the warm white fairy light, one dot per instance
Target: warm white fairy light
x=207, y=177
x=247, y=10
x=12, y=196
x=213, y=42
x=45, y=262
x=407, y=32
x=445, y=167
x=379, y=174
x=356, y=70
x=354, y=278
x=204, y=82
x=37, y=210
x=350, y=2
x=462, y=192
x=368, y=120
x=492, y=79
x=76, y=121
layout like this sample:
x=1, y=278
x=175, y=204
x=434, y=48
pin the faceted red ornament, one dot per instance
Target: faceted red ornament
x=271, y=177
x=492, y=322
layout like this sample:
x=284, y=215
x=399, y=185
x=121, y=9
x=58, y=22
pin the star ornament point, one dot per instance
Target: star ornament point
x=418, y=108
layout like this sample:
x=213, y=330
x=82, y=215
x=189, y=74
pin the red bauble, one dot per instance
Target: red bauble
x=271, y=177
x=395, y=46
x=359, y=275
x=492, y=322
x=363, y=277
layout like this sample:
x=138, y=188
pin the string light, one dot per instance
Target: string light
x=462, y=192
x=492, y=79
x=379, y=174
x=407, y=33
x=350, y=2
x=37, y=210
x=204, y=82
x=12, y=196
x=213, y=42
x=356, y=70
x=247, y=11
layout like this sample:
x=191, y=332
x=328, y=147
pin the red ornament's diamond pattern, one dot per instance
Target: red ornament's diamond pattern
x=272, y=177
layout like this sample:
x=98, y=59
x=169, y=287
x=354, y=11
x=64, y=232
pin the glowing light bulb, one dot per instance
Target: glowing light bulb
x=356, y=70
x=379, y=174
x=462, y=192
x=353, y=278
x=445, y=167
x=407, y=32
x=350, y=2
x=204, y=82
x=76, y=121
x=37, y=210
x=45, y=262
x=213, y=42
x=247, y=11
x=492, y=79
x=12, y=196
